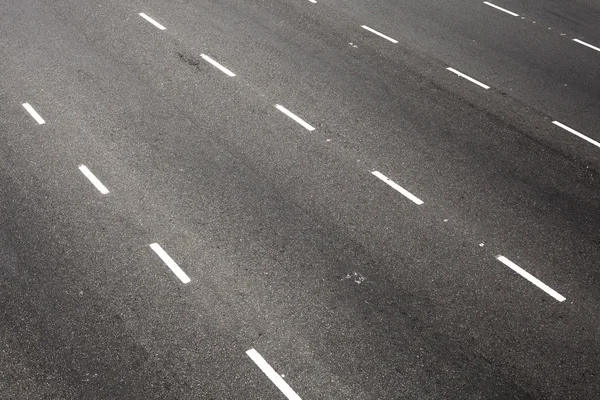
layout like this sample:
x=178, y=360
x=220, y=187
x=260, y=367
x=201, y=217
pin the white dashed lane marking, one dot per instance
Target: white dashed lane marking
x=379, y=34
x=272, y=375
x=501, y=9
x=34, y=114
x=586, y=44
x=468, y=78
x=574, y=132
x=153, y=22
x=531, y=278
x=217, y=65
x=92, y=178
x=299, y=120
x=170, y=263
x=398, y=188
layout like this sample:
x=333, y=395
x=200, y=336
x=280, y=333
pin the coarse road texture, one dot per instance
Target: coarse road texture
x=271, y=199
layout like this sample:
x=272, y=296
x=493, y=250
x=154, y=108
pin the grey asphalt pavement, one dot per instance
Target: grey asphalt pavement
x=382, y=200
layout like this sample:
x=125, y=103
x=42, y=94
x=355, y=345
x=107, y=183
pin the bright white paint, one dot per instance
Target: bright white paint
x=531, y=278
x=313, y=1
x=92, y=178
x=272, y=375
x=398, y=188
x=153, y=22
x=170, y=263
x=216, y=64
x=34, y=114
x=294, y=117
x=468, y=78
x=586, y=44
x=574, y=132
x=379, y=34
x=501, y=9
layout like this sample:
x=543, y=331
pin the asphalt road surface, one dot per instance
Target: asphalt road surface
x=299, y=199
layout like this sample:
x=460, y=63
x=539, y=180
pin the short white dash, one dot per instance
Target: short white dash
x=153, y=22
x=398, y=188
x=170, y=263
x=34, y=114
x=313, y=1
x=468, y=78
x=379, y=34
x=295, y=117
x=217, y=65
x=501, y=9
x=92, y=178
x=586, y=44
x=272, y=375
x=574, y=132
x=531, y=278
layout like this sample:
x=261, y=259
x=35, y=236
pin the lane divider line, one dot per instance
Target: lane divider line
x=398, y=188
x=217, y=65
x=501, y=9
x=92, y=178
x=574, y=132
x=170, y=263
x=153, y=22
x=531, y=278
x=379, y=34
x=468, y=78
x=586, y=44
x=34, y=114
x=272, y=375
x=299, y=120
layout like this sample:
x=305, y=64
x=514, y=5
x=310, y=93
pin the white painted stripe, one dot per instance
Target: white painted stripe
x=586, y=44
x=501, y=9
x=313, y=1
x=468, y=78
x=531, y=278
x=34, y=114
x=216, y=64
x=397, y=187
x=170, y=263
x=153, y=22
x=574, y=132
x=272, y=375
x=92, y=178
x=379, y=34
x=294, y=117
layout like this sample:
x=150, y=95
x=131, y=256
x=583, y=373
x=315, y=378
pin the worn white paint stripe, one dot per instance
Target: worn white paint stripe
x=398, y=188
x=313, y=1
x=586, y=44
x=170, y=263
x=217, y=65
x=272, y=375
x=92, y=178
x=153, y=22
x=468, y=78
x=294, y=117
x=574, y=132
x=34, y=114
x=379, y=34
x=531, y=278
x=501, y=9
